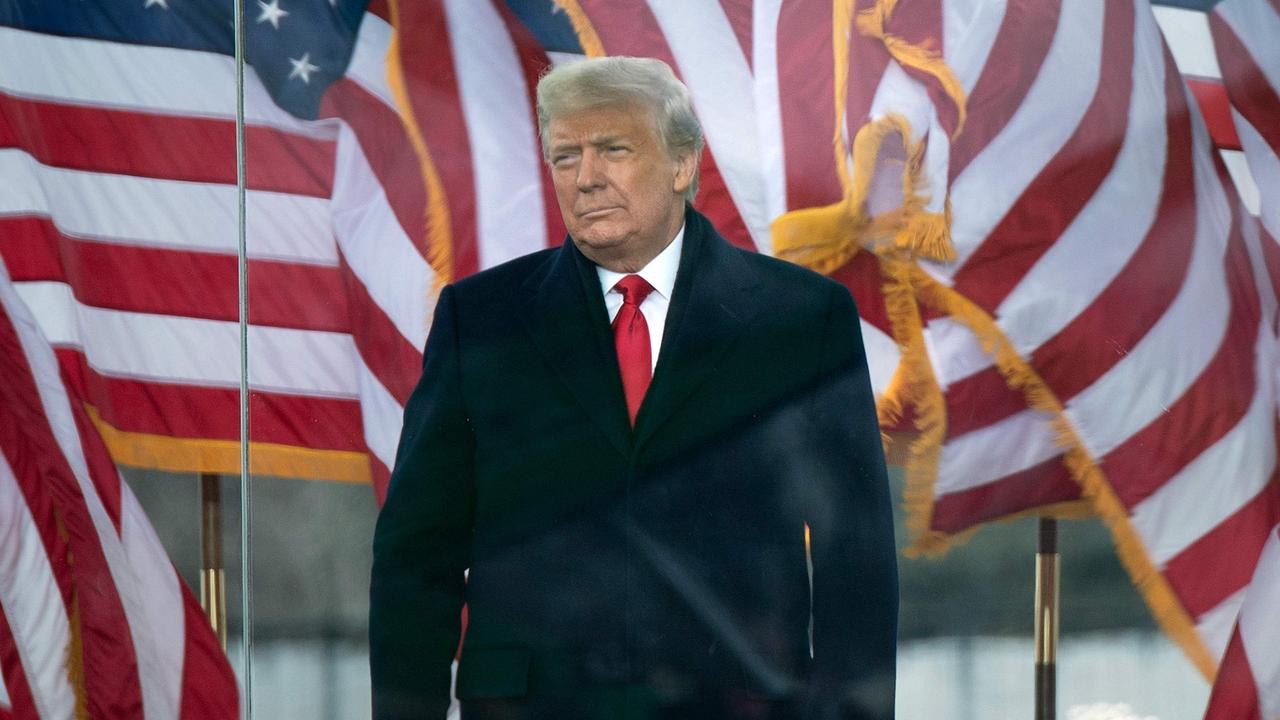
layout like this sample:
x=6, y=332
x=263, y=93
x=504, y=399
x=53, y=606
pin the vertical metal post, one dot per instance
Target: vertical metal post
x=213, y=583
x=1047, y=620
x=242, y=293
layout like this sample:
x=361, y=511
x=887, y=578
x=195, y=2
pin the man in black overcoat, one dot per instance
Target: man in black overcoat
x=646, y=461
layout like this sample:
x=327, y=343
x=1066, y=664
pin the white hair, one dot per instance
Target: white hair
x=612, y=81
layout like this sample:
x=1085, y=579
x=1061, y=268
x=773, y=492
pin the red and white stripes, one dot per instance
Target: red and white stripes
x=1093, y=224
x=1244, y=36
x=1248, y=684
x=1121, y=267
x=93, y=617
x=1098, y=230
x=1248, y=681
x=120, y=230
x=470, y=91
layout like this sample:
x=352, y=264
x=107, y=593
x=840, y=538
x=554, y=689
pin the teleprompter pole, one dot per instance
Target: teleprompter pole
x=213, y=583
x=1047, y=620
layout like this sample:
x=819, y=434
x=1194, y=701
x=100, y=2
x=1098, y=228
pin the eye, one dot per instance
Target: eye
x=563, y=160
x=616, y=149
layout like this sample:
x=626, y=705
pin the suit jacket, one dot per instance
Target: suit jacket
x=659, y=571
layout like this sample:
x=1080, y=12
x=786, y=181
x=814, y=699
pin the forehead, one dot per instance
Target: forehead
x=632, y=122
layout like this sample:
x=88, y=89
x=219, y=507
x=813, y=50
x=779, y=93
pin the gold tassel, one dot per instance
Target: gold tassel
x=825, y=238
x=822, y=238
x=438, y=229
x=928, y=235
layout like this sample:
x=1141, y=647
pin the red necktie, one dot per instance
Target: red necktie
x=631, y=340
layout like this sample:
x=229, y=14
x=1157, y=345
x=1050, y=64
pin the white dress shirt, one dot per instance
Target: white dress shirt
x=661, y=274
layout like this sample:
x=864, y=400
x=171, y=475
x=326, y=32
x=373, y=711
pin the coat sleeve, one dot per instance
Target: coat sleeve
x=855, y=577
x=422, y=542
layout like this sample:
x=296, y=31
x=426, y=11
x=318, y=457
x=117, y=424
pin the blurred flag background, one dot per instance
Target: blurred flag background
x=94, y=620
x=1058, y=219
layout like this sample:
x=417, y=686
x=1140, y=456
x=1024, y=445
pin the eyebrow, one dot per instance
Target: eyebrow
x=595, y=141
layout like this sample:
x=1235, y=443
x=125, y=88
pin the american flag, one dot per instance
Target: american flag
x=94, y=620
x=1248, y=683
x=1100, y=336
x=1065, y=306
x=1244, y=36
x=120, y=225
x=1248, y=58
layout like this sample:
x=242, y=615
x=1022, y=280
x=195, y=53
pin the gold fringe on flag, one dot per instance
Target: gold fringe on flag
x=915, y=385
x=203, y=455
x=1168, y=610
x=841, y=19
x=1097, y=491
x=588, y=38
x=871, y=22
x=438, y=228
x=828, y=237
x=825, y=238
x=75, y=659
x=75, y=644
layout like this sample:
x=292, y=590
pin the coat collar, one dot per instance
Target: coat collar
x=566, y=319
x=711, y=304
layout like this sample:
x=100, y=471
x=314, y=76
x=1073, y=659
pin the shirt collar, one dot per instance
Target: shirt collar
x=660, y=272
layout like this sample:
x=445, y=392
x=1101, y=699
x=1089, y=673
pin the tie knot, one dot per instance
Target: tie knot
x=634, y=289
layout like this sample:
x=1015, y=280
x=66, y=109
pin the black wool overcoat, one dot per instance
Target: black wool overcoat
x=655, y=572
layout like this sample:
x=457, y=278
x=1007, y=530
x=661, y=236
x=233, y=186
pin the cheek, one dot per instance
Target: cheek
x=651, y=195
x=565, y=191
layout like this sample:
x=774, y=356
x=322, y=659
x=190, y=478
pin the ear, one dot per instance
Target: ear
x=686, y=166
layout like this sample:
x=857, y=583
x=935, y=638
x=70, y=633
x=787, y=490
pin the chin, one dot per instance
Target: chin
x=600, y=240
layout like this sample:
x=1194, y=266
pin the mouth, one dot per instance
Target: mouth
x=596, y=214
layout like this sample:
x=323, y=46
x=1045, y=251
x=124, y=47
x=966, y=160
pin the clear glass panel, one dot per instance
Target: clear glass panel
x=310, y=198
x=118, y=219
x=197, y=518
x=310, y=599
x=379, y=171
x=372, y=177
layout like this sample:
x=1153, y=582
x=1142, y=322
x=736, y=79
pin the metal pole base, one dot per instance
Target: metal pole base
x=1047, y=620
x=213, y=581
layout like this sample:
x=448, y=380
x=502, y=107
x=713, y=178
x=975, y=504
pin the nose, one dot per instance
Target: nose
x=590, y=171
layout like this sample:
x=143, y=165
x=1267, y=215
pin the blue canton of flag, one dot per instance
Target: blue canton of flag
x=548, y=24
x=297, y=47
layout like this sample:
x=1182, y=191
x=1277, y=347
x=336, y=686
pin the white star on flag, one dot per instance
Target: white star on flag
x=271, y=12
x=162, y=3
x=302, y=68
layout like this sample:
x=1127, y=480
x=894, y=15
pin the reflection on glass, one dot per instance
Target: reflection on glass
x=118, y=234
x=1058, y=293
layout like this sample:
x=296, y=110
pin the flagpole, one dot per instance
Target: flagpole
x=213, y=586
x=1047, y=620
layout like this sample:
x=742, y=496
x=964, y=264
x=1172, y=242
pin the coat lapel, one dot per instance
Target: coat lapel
x=566, y=318
x=712, y=303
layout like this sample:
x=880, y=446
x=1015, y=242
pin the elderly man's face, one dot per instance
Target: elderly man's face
x=619, y=191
